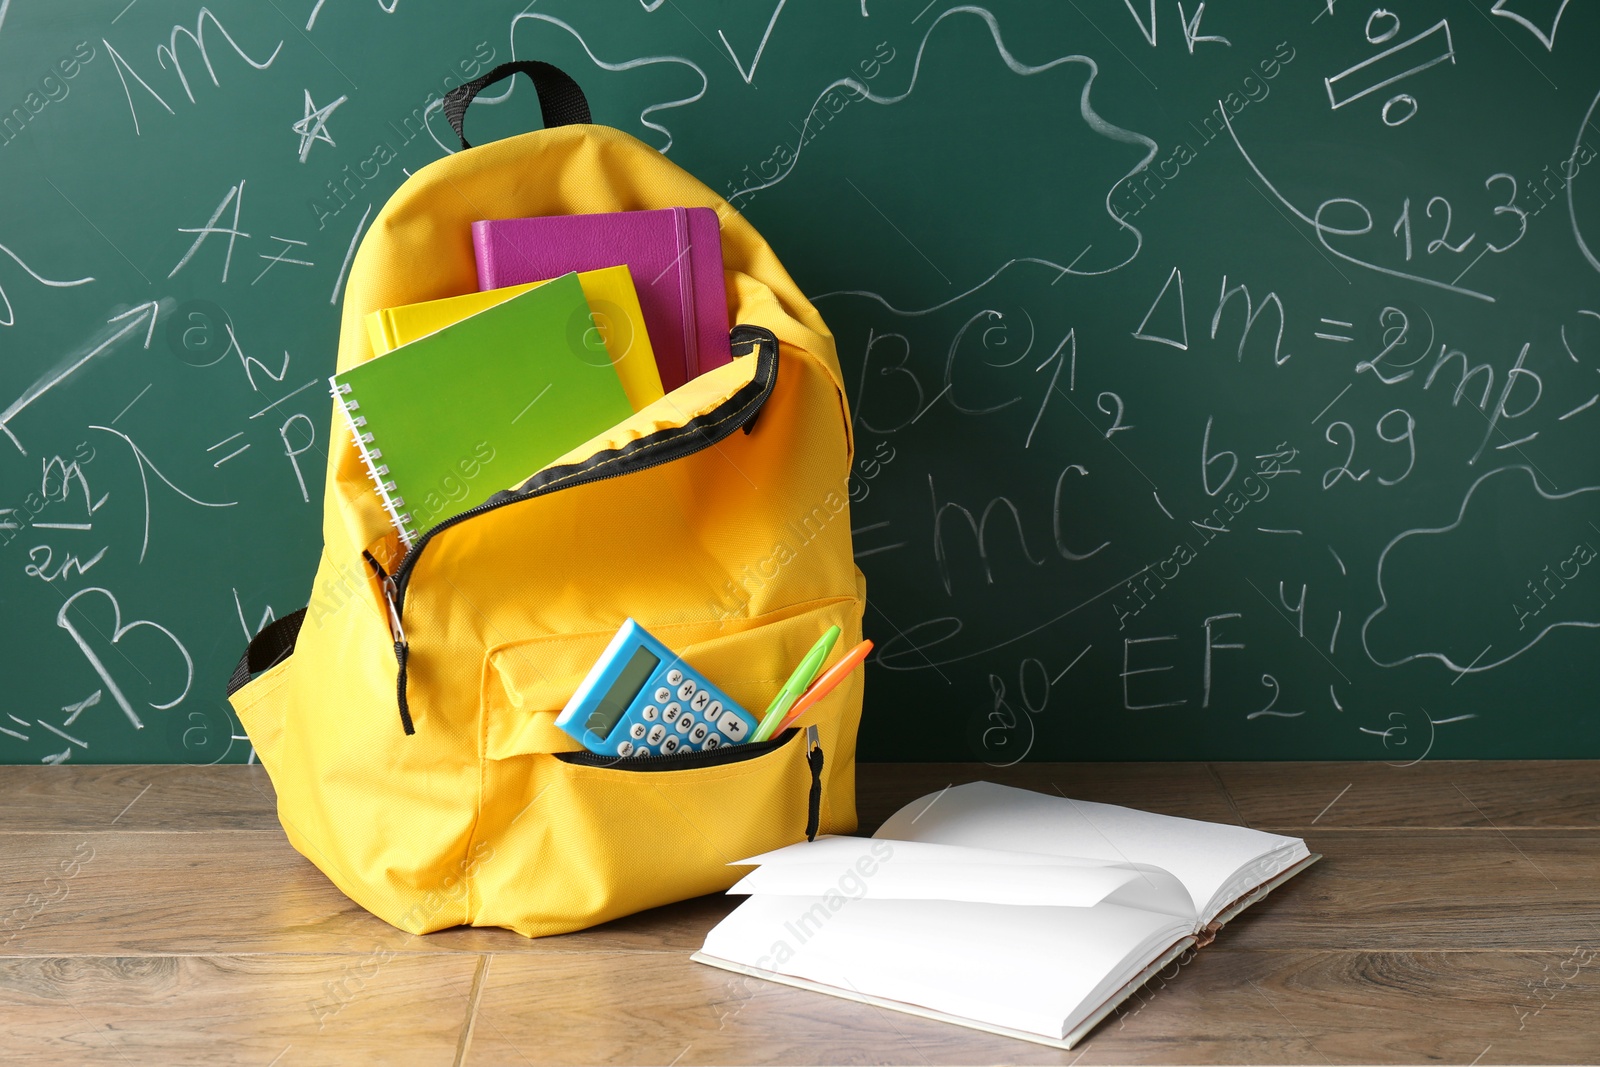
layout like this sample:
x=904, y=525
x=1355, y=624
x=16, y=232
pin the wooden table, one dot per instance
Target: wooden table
x=1454, y=919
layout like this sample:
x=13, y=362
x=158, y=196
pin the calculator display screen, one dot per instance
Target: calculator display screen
x=633, y=677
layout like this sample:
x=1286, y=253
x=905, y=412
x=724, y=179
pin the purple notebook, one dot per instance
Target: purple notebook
x=674, y=255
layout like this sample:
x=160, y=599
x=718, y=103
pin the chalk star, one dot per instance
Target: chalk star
x=314, y=127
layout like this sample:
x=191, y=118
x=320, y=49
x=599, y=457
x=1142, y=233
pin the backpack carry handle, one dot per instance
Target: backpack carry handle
x=561, y=102
x=269, y=647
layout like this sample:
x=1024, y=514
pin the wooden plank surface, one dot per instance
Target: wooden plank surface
x=195, y=892
x=158, y=915
x=1527, y=794
x=1386, y=889
x=204, y=1010
x=1238, y=1007
x=182, y=893
x=168, y=798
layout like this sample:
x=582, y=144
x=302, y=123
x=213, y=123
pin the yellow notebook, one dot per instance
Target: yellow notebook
x=614, y=311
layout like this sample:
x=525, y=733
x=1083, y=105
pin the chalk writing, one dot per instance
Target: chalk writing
x=168, y=52
x=119, y=630
x=144, y=465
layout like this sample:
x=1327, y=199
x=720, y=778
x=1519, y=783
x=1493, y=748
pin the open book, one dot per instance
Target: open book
x=1010, y=911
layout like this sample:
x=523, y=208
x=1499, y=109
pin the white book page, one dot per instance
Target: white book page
x=858, y=867
x=1031, y=968
x=1215, y=862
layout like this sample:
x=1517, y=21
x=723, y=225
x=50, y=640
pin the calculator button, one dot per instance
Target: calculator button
x=670, y=745
x=625, y=748
x=670, y=712
x=733, y=726
x=650, y=713
x=685, y=723
x=713, y=711
x=674, y=676
x=712, y=742
x=636, y=731
x=687, y=689
x=663, y=695
x=657, y=732
x=700, y=700
x=698, y=734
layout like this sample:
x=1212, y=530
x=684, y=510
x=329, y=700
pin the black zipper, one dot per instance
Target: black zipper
x=397, y=633
x=739, y=411
x=722, y=757
x=681, y=761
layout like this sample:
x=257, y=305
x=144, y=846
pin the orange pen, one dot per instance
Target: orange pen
x=825, y=685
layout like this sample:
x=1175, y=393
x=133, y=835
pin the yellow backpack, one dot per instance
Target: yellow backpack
x=406, y=715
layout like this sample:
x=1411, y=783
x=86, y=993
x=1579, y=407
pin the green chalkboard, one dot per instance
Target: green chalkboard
x=1224, y=375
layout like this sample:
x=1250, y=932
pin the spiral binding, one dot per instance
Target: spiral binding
x=378, y=473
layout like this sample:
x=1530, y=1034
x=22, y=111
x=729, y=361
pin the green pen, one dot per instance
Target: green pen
x=796, y=685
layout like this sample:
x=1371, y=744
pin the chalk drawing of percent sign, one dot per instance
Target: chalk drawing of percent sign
x=1481, y=662
x=1394, y=64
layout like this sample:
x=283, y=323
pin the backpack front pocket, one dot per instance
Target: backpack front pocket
x=587, y=840
x=525, y=684
x=596, y=837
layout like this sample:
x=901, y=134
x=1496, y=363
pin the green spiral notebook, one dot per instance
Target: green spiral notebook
x=446, y=421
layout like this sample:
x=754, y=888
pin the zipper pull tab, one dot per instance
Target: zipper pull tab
x=814, y=800
x=391, y=594
x=402, y=647
x=397, y=632
x=391, y=598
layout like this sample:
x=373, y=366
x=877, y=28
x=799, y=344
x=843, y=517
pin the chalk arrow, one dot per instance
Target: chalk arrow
x=131, y=319
x=154, y=307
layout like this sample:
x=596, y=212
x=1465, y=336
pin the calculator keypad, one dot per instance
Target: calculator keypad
x=678, y=713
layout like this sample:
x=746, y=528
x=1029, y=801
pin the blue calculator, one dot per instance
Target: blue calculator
x=641, y=699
